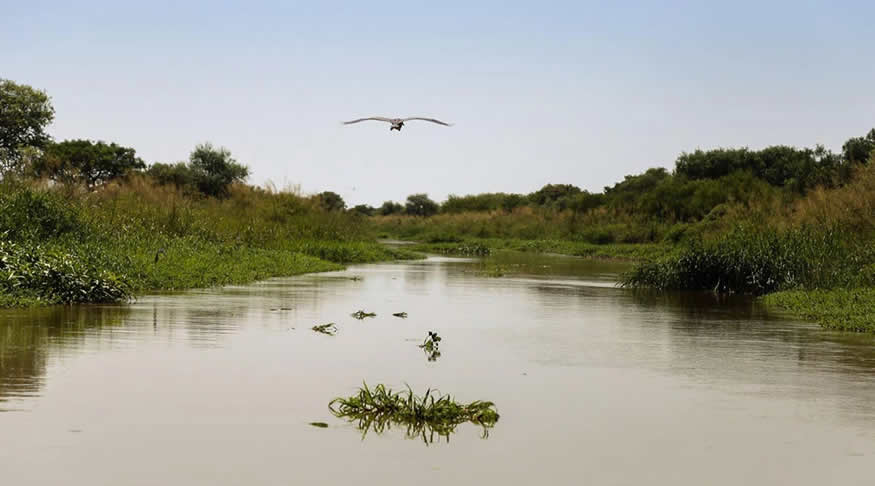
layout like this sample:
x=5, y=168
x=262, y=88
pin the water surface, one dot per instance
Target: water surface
x=595, y=384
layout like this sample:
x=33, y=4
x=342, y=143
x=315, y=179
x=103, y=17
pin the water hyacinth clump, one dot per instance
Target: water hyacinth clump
x=360, y=314
x=423, y=417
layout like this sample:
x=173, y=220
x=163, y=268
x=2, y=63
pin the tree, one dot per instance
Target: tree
x=178, y=174
x=331, y=201
x=24, y=114
x=390, y=207
x=364, y=209
x=551, y=193
x=85, y=161
x=215, y=170
x=420, y=205
x=856, y=150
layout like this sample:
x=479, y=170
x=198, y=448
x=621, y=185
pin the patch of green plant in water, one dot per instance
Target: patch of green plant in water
x=425, y=417
x=402, y=315
x=493, y=270
x=360, y=314
x=329, y=328
x=321, y=425
x=431, y=346
x=840, y=309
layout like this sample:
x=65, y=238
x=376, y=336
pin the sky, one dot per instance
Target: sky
x=572, y=92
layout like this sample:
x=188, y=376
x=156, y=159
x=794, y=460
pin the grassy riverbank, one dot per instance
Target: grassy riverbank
x=68, y=245
x=485, y=246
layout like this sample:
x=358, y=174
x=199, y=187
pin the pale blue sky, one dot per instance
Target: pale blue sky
x=562, y=92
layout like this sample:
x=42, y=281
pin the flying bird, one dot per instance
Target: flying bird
x=397, y=123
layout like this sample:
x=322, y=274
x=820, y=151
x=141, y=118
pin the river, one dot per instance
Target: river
x=595, y=384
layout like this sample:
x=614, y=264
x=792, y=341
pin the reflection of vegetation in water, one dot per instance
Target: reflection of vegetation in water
x=360, y=314
x=424, y=417
x=28, y=336
x=431, y=346
x=329, y=328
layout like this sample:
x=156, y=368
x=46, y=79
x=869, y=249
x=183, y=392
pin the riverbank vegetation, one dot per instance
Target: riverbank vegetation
x=85, y=221
x=779, y=219
x=90, y=221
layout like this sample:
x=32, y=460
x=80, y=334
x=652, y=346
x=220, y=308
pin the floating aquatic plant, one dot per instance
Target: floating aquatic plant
x=321, y=425
x=431, y=346
x=424, y=417
x=329, y=328
x=402, y=315
x=360, y=314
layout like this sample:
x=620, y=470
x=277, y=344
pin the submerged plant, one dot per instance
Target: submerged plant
x=329, y=328
x=424, y=417
x=360, y=314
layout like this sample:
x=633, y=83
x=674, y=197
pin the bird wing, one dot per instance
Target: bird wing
x=429, y=119
x=376, y=118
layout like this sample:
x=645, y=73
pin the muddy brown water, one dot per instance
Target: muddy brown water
x=594, y=384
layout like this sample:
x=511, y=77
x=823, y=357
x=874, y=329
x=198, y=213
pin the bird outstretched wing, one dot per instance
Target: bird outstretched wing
x=376, y=118
x=429, y=119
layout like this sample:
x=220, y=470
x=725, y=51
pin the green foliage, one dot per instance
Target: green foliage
x=842, y=309
x=799, y=169
x=215, y=170
x=390, y=207
x=178, y=174
x=759, y=261
x=552, y=194
x=380, y=408
x=857, y=150
x=483, y=202
x=91, y=163
x=57, y=276
x=420, y=205
x=24, y=115
x=29, y=215
x=330, y=201
x=364, y=210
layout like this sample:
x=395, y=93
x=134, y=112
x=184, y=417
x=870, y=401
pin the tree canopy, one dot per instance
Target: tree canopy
x=25, y=113
x=91, y=163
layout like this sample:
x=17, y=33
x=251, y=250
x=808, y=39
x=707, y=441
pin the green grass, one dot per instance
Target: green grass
x=424, y=417
x=484, y=247
x=840, y=309
x=64, y=245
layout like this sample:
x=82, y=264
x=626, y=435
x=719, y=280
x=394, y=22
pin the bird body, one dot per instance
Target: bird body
x=397, y=123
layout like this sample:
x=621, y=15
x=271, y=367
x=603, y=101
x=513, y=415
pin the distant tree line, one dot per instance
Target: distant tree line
x=701, y=180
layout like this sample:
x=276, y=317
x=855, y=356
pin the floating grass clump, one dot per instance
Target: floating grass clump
x=329, y=328
x=423, y=417
x=402, y=315
x=841, y=309
x=360, y=314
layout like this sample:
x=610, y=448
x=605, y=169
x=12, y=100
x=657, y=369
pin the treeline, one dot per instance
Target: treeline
x=700, y=181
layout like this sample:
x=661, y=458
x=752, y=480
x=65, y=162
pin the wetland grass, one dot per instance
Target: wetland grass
x=424, y=417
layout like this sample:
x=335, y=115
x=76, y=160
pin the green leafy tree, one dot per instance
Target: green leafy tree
x=856, y=150
x=331, y=201
x=420, y=205
x=390, y=207
x=24, y=115
x=91, y=163
x=553, y=193
x=215, y=170
x=364, y=209
x=178, y=174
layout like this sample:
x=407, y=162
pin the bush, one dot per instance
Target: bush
x=88, y=162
